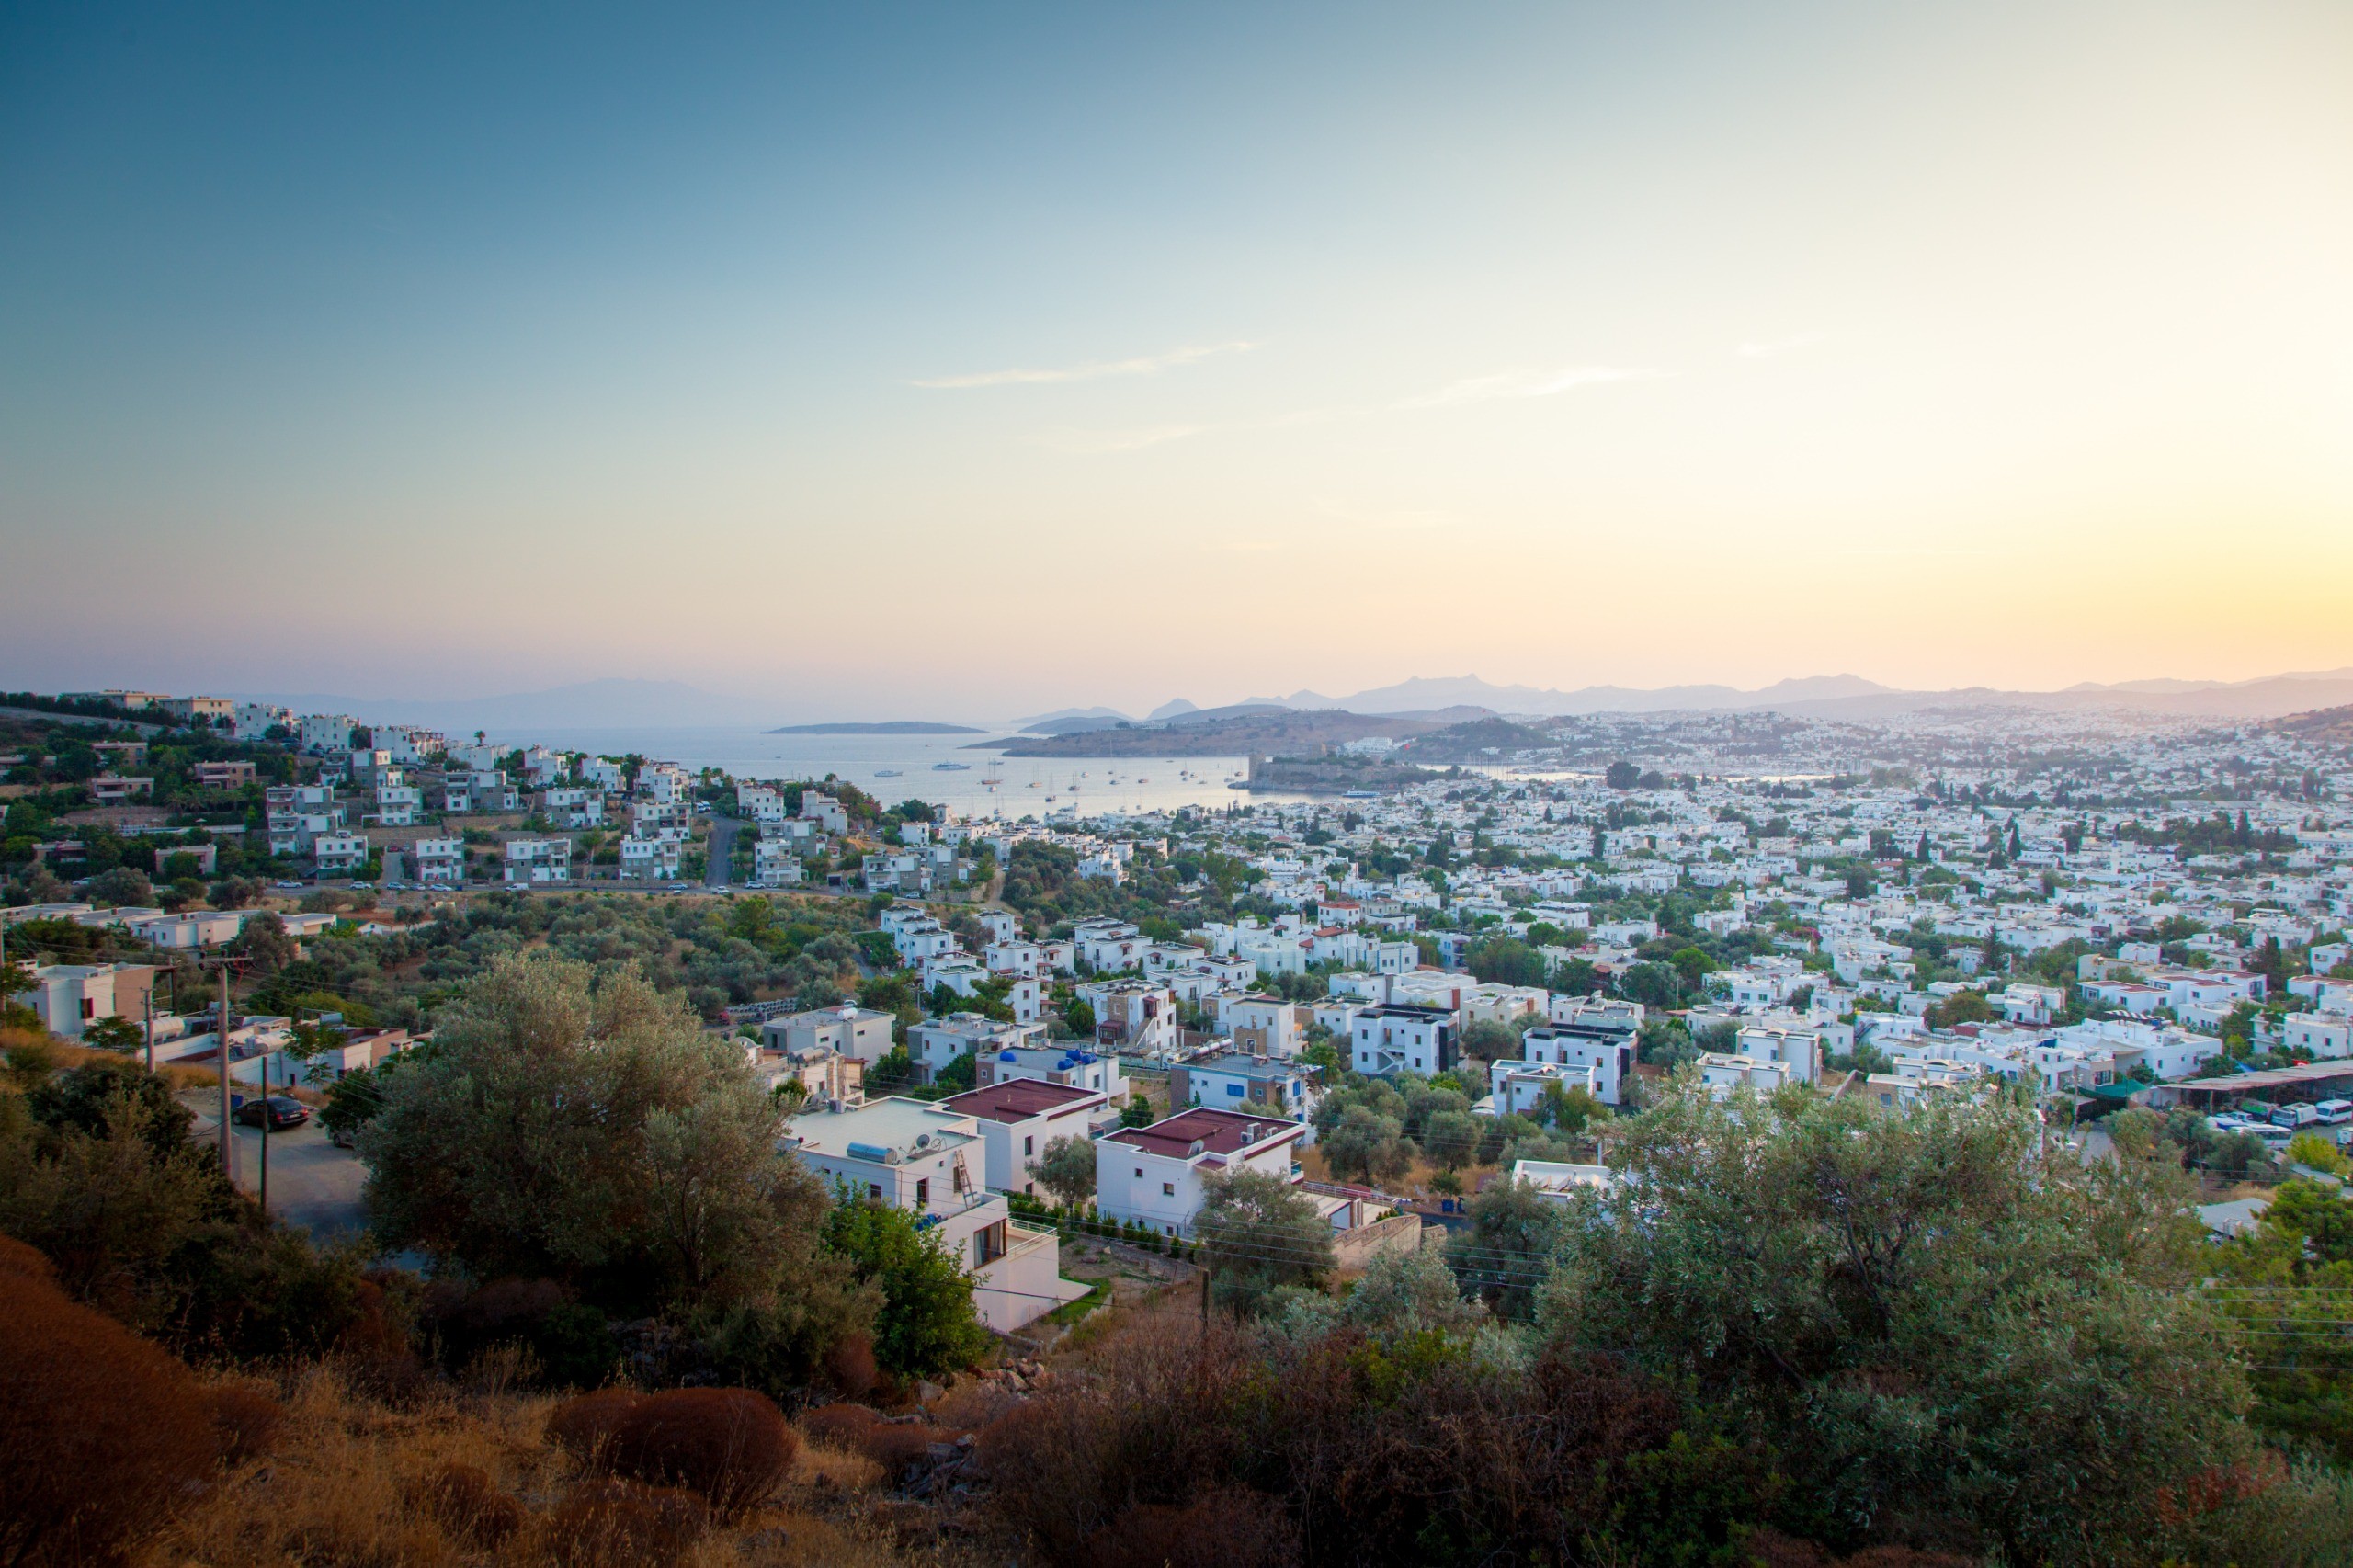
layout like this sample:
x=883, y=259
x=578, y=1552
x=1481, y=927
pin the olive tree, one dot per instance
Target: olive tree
x=590, y=1132
x=1068, y=1170
x=1928, y=1310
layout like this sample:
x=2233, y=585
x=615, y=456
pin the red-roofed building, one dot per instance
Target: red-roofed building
x=1154, y=1174
x=1017, y=1118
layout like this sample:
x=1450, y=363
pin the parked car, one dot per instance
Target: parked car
x=2334, y=1113
x=363, y=887
x=293, y=887
x=2291, y=1117
x=283, y=1109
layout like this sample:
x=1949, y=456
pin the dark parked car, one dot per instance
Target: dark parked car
x=284, y=1112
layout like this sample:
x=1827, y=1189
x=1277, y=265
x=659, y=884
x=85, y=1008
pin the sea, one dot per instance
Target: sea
x=977, y=782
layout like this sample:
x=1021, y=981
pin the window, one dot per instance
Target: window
x=1028, y=1145
x=923, y=1192
x=1234, y=1089
x=1167, y=1189
x=874, y=1191
x=1139, y=1173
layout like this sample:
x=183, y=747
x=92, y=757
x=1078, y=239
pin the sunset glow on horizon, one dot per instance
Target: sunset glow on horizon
x=964, y=363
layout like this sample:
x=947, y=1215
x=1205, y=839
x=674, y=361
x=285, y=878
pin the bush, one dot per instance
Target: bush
x=464, y=1501
x=729, y=1446
x=102, y=1433
x=607, y=1523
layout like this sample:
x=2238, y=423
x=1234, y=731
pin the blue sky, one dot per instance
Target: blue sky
x=966, y=359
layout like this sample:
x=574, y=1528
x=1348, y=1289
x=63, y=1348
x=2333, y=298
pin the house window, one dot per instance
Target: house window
x=1167, y=1189
x=1139, y=1173
x=1234, y=1089
x=923, y=1192
x=874, y=1191
x=1028, y=1145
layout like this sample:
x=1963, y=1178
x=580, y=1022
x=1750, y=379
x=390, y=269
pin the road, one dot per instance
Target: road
x=312, y=1184
x=722, y=849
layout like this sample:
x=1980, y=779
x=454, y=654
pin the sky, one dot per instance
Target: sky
x=948, y=361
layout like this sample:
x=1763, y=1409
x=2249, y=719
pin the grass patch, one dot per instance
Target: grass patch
x=1069, y=1313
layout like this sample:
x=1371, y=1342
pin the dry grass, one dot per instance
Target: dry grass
x=347, y=1482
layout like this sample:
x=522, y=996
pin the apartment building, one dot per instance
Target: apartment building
x=537, y=860
x=1155, y=1175
x=852, y=1031
x=931, y=1160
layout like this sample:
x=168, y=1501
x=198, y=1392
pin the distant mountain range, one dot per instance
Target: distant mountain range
x=1837, y=697
x=653, y=704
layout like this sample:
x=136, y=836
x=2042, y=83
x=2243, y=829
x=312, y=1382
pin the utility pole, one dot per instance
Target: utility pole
x=265, y=1134
x=221, y=1043
x=147, y=1027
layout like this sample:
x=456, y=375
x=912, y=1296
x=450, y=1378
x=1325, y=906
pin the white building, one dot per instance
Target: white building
x=1017, y=1119
x=441, y=862
x=1400, y=1038
x=326, y=734
x=935, y=1044
x=67, y=996
x=931, y=1160
x=1071, y=1065
x=538, y=860
x=1154, y=1175
x=851, y=1031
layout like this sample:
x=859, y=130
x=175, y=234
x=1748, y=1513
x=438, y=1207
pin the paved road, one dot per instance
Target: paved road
x=722, y=849
x=312, y=1184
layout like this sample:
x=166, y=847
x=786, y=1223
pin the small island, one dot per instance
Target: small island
x=885, y=727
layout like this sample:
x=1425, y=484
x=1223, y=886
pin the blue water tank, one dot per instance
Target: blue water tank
x=1007, y=1056
x=874, y=1152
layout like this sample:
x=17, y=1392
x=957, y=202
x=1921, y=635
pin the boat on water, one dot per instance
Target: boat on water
x=886, y=773
x=952, y=767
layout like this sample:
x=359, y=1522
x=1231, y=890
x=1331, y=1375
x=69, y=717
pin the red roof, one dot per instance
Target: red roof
x=1218, y=1132
x=1018, y=1099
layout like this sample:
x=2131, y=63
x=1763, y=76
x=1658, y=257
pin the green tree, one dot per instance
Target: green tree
x=113, y=1034
x=926, y=1325
x=1621, y=775
x=262, y=942
x=1367, y=1145
x=1078, y=1017
x=1490, y=1041
x=1258, y=1233
x=1137, y=1112
x=1692, y=965
x=1928, y=1310
x=591, y=1133
x=2304, y=1149
x=1451, y=1138
x=1068, y=1170
x=1506, y=1253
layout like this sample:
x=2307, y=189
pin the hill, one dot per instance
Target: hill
x=1246, y=731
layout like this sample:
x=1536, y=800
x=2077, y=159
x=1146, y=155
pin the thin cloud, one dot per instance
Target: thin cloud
x=1528, y=383
x=1089, y=441
x=1770, y=346
x=1143, y=364
x=1341, y=511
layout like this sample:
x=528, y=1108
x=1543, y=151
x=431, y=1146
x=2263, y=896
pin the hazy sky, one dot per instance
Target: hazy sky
x=976, y=359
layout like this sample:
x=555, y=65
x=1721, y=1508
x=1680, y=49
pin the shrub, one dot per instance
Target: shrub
x=103, y=1433
x=608, y=1523
x=245, y=1422
x=1229, y=1528
x=731, y=1445
x=464, y=1501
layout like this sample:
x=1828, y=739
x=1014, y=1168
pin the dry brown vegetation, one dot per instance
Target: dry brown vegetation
x=452, y=1478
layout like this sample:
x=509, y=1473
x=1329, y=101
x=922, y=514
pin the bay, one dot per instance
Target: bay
x=900, y=767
